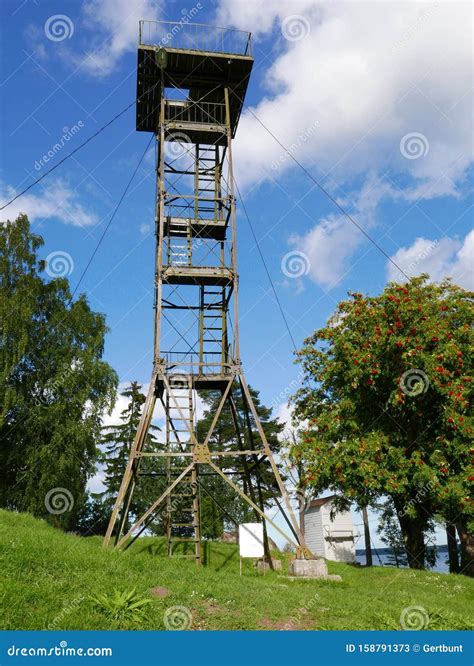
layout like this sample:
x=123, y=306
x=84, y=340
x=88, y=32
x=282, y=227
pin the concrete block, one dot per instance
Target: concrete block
x=262, y=565
x=308, y=568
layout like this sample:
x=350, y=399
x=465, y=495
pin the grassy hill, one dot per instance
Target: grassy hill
x=50, y=579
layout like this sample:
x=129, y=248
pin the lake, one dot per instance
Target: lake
x=441, y=565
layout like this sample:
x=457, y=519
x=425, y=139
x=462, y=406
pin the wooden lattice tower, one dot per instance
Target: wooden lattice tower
x=192, y=82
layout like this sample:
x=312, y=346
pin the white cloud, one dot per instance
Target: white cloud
x=57, y=201
x=96, y=483
x=115, y=25
x=369, y=73
x=334, y=239
x=284, y=413
x=158, y=413
x=368, y=76
x=448, y=257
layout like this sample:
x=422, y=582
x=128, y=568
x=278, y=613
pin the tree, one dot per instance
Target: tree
x=54, y=385
x=453, y=555
x=224, y=437
x=92, y=518
x=295, y=471
x=117, y=442
x=391, y=535
x=387, y=398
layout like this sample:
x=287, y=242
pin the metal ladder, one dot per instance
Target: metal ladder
x=213, y=334
x=207, y=183
x=180, y=244
x=182, y=505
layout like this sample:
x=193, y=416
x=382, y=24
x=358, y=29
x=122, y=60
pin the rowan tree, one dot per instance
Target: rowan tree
x=116, y=441
x=387, y=395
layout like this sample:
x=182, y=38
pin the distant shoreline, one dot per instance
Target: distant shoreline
x=388, y=551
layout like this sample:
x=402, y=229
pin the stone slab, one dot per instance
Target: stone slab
x=308, y=568
x=334, y=577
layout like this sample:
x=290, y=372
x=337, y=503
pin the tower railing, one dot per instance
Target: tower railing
x=190, y=112
x=194, y=364
x=195, y=37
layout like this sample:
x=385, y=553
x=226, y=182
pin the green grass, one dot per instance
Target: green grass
x=56, y=580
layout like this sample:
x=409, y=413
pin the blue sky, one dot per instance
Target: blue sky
x=372, y=98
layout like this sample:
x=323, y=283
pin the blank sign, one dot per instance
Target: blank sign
x=251, y=540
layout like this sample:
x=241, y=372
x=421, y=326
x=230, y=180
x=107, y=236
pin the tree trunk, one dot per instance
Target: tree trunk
x=467, y=549
x=301, y=509
x=368, y=547
x=453, y=555
x=414, y=539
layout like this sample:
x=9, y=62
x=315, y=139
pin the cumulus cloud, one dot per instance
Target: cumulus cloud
x=158, y=414
x=369, y=74
x=115, y=26
x=284, y=414
x=330, y=244
x=447, y=257
x=57, y=201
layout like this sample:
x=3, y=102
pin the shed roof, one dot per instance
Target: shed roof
x=320, y=501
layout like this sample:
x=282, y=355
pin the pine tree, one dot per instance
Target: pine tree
x=391, y=535
x=117, y=442
x=225, y=438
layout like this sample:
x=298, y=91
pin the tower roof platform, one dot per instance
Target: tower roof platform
x=199, y=59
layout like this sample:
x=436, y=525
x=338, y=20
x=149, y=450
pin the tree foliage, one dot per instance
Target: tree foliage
x=390, y=534
x=387, y=396
x=116, y=441
x=54, y=385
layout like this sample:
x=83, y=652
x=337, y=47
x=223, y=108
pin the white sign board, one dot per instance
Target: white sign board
x=251, y=540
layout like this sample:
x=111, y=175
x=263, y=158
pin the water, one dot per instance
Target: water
x=441, y=565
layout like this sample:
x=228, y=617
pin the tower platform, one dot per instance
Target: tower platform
x=198, y=275
x=177, y=227
x=202, y=60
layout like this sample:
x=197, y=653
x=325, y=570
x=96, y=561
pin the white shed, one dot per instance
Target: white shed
x=333, y=539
